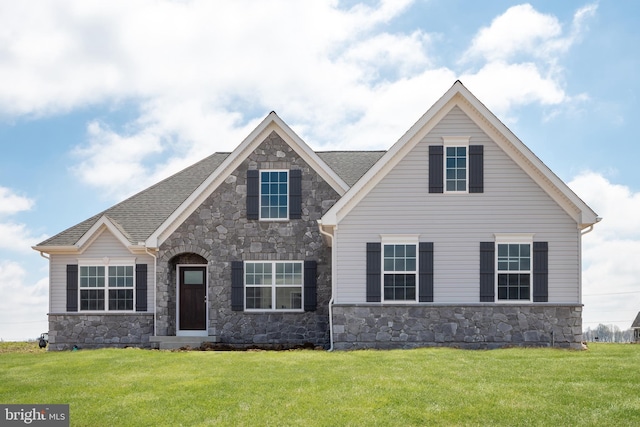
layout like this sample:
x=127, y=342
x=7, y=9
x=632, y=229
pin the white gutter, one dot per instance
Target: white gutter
x=333, y=290
x=590, y=229
x=155, y=303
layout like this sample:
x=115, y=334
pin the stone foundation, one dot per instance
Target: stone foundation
x=99, y=330
x=470, y=326
x=266, y=329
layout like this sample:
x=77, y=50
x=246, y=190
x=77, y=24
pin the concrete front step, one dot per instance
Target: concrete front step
x=173, y=342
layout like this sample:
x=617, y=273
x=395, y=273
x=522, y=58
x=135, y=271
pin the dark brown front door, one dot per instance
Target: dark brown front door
x=193, y=291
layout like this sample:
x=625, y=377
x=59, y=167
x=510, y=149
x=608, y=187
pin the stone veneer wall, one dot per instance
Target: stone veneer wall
x=99, y=330
x=220, y=232
x=471, y=326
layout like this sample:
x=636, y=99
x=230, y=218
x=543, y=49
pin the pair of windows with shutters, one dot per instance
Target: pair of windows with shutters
x=509, y=271
x=274, y=195
x=94, y=286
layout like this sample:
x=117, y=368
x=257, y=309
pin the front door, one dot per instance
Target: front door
x=193, y=293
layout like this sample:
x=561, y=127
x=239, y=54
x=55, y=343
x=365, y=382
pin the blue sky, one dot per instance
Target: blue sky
x=98, y=100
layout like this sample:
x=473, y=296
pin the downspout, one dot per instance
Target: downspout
x=155, y=303
x=333, y=290
x=582, y=233
x=48, y=259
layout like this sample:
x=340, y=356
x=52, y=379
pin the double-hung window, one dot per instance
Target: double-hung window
x=456, y=170
x=399, y=272
x=274, y=194
x=273, y=285
x=514, y=271
x=106, y=287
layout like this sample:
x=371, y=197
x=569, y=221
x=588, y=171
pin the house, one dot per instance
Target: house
x=458, y=235
x=635, y=327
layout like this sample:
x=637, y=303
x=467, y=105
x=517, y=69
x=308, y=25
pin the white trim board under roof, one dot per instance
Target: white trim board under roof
x=458, y=95
x=272, y=123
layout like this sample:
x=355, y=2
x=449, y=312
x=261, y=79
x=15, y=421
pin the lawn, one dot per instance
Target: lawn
x=437, y=386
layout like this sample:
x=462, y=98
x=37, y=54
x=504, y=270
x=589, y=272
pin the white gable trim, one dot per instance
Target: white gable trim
x=90, y=236
x=97, y=229
x=270, y=124
x=460, y=96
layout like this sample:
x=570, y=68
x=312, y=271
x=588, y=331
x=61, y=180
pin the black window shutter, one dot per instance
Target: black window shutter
x=237, y=285
x=425, y=271
x=253, y=193
x=310, y=285
x=436, y=174
x=374, y=284
x=141, y=287
x=540, y=272
x=476, y=169
x=295, y=194
x=72, y=287
x=487, y=271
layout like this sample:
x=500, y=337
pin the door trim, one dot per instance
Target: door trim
x=191, y=332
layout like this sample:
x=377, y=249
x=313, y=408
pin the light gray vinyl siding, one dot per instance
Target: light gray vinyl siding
x=456, y=223
x=106, y=245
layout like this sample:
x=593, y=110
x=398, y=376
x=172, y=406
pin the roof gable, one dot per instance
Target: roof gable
x=636, y=322
x=460, y=96
x=272, y=123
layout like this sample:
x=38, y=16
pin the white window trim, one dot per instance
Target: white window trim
x=273, y=287
x=260, y=195
x=455, y=141
x=399, y=239
x=516, y=239
x=107, y=262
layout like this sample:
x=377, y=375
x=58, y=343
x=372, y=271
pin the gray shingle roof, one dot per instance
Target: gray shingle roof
x=141, y=214
x=350, y=165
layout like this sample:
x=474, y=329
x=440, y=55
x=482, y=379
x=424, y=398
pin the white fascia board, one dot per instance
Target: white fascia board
x=527, y=160
x=391, y=158
x=62, y=250
x=271, y=123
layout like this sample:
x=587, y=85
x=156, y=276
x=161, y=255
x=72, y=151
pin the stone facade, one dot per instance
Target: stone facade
x=99, y=330
x=471, y=326
x=219, y=232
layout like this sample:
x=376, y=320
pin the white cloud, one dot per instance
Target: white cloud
x=523, y=31
x=202, y=74
x=611, y=272
x=23, y=307
x=502, y=86
x=15, y=237
x=11, y=203
x=516, y=60
x=519, y=30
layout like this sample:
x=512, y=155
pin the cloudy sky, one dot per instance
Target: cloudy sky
x=100, y=99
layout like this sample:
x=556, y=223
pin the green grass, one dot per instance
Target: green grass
x=440, y=386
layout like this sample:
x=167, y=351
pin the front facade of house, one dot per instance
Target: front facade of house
x=457, y=235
